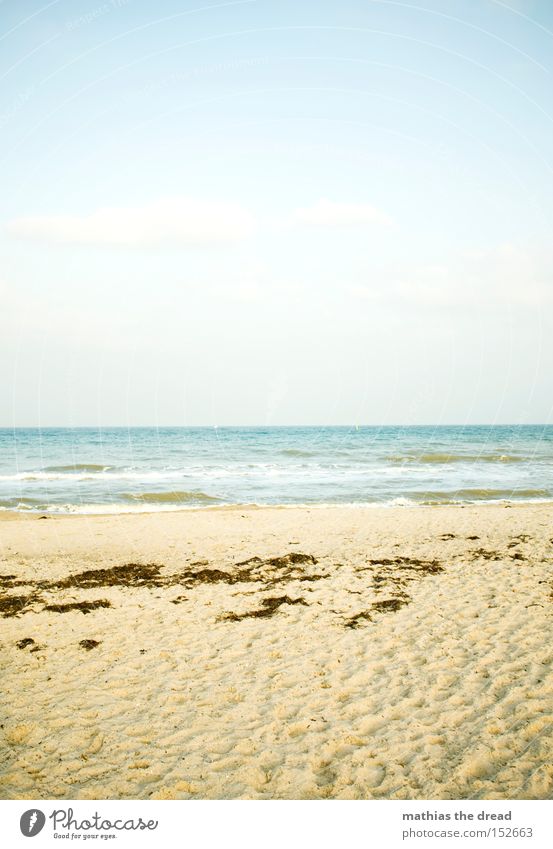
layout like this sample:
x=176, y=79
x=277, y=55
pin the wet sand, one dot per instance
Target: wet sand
x=274, y=653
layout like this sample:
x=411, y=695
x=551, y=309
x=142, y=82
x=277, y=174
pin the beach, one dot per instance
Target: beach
x=332, y=652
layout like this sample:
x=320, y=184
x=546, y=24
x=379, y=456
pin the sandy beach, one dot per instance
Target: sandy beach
x=271, y=653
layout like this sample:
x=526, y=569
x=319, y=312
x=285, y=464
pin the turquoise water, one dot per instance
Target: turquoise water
x=87, y=470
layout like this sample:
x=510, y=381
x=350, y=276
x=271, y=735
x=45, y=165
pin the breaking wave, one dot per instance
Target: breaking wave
x=463, y=496
x=79, y=467
x=175, y=497
x=442, y=458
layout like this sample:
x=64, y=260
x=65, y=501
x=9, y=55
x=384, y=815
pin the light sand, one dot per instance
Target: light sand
x=448, y=696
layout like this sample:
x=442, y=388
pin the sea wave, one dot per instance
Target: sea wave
x=19, y=503
x=109, y=474
x=174, y=497
x=164, y=475
x=463, y=496
x=104, y=509
x=177, y=501
x=442, y=458
x=79, y=467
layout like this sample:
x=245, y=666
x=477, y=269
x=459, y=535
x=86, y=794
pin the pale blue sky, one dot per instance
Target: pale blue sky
x=276, y=212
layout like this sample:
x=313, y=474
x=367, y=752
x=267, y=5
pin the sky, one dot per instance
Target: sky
x=270, y=212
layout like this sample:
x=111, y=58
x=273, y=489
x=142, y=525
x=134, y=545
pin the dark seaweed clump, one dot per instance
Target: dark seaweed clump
x=387, y=605
x=422, y=567
x=89, y=644
x=268, y=608
x=398, y=572
x=129, y=575
x=14, y=604
x=486, y=555
x=355, y=621
x=83, y=606
x=270, y=572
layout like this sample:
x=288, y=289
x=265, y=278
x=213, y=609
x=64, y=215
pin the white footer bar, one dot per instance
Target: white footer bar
x=284, y=824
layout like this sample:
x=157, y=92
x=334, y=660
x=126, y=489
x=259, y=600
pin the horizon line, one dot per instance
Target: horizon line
x=259, y=426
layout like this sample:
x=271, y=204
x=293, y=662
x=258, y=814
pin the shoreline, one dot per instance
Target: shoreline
x=9, y=514
x=270, y=653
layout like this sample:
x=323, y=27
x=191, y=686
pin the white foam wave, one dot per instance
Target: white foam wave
x=87, y=476
x=120, y=509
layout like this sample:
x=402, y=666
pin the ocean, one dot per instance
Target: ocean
x=118, y=470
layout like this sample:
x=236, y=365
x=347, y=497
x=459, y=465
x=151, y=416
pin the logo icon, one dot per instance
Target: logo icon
x=32, y=822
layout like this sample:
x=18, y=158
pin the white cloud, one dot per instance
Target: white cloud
x=330, y=214
x=502, y=276
x=168, y=221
